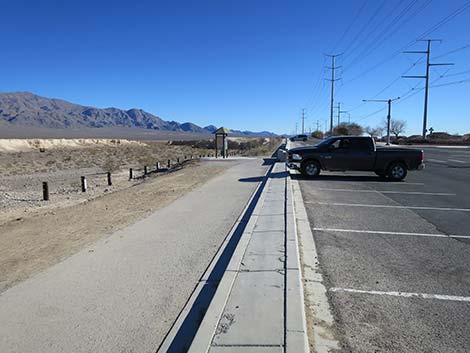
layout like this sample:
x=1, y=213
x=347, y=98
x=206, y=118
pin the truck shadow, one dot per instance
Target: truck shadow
x=362, y=178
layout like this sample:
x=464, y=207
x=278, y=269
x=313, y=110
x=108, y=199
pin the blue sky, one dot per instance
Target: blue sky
x=246, y=64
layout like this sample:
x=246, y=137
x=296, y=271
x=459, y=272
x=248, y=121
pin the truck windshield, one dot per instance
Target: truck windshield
x=325, y=142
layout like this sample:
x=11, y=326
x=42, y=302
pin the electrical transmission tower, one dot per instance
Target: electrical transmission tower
x=426, y=77
x=303, y=121
x=333, y=79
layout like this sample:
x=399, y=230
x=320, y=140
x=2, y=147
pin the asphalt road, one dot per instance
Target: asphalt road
x=396, y=256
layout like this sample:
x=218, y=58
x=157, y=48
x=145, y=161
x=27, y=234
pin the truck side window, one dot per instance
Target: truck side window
x=340, y=144
x=360, y=144
x=344, y=144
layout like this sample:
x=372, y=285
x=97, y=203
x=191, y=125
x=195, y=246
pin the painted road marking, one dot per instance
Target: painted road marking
x=403, y=294
x=457, y=161
x=380, y=232
x=435, y=160
x=390, y=192
x=391, y=206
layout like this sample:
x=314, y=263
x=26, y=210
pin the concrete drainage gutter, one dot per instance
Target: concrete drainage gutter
x=258, y=303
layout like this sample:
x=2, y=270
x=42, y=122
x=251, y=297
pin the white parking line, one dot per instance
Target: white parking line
x=435, y=160
x=380, y=232
x=389, y=192
x=390, y=206
x=404, y=294
x=457, y=161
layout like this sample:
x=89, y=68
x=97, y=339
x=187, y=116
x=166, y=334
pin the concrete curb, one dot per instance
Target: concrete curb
x=321, y=333
x=296, y=326
x=221, y=284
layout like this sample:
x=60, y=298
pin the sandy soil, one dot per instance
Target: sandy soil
x=45, y=236
x=62, y=165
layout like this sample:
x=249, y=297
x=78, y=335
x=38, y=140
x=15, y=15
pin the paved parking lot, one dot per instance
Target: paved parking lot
x=396, y=255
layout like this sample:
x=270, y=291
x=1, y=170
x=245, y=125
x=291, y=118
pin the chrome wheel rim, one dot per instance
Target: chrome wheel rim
x=311, y=169
x=398, y=172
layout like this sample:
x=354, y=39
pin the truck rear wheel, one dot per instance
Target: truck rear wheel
x=397, y=171
x=310, y=169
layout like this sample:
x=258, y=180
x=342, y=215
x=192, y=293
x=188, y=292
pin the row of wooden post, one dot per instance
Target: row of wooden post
x=83, y=184
x=83, y=181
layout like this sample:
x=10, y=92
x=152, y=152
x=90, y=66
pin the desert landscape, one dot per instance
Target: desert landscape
x=71, y=219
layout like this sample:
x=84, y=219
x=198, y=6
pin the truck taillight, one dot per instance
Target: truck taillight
x=422, y=156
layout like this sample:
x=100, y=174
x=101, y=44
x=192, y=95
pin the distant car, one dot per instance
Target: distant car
x=341, y=153
x=299, y=138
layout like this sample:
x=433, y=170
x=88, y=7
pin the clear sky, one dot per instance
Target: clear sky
x=245, y=64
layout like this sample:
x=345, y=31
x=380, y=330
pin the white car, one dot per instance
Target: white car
x=299, y=138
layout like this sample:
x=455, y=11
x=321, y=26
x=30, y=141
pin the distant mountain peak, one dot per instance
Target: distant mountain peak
x=29, y=109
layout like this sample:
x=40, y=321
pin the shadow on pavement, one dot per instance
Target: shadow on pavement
x=269, y=161
x=186, y=333
x=277, y=175
x=363, y=178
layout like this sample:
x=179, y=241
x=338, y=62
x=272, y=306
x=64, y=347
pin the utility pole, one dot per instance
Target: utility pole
x=426, y=77
x=303, y=121
x=296, y=124
x=389, y=115
x=339, y=112
x=333, y=79
x=318, y=125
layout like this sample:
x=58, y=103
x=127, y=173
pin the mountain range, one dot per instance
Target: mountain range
x=30, y=110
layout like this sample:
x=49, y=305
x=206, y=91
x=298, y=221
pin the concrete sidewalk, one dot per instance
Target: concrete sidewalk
x=258, y=306
x=123, y=293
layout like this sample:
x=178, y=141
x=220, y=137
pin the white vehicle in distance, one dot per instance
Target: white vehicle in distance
x=299, y=138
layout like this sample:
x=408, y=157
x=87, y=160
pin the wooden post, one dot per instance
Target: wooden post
x=110, y=182
x=131, y=176
x=158, y=166
x=45, y=191
x=169, y=164
x=145, y=170
x=177, y=160
x=83, y=182
x=223, y=147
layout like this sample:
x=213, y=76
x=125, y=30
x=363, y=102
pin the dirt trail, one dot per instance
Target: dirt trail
x=47, y=236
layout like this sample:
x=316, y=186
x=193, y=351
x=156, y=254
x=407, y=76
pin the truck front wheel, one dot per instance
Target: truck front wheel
x=310, y=169
x=397, y=171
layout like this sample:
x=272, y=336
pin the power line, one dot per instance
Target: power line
x=430, y=30
x=348, y=28
x=380, y=37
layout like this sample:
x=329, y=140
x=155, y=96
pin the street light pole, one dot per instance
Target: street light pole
x=389, y=114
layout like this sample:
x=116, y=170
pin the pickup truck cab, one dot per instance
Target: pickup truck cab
x=342, y=153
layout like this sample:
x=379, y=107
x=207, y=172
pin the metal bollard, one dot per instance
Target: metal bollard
x=110, y=182
x=45, y=191
x=83, y=182
x=131, y=176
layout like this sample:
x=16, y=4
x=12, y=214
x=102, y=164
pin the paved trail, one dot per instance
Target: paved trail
x=123, y=293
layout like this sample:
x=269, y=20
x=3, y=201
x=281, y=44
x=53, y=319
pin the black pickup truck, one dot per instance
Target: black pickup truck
x=341, y=153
